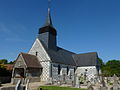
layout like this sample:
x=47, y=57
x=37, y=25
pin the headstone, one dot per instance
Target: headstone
x=89, y=84
x=77, y=82
x=103, y=87
x=98, y=85
x=90, y=87
x=49, y=81
x=115, y=77
x=115, y=84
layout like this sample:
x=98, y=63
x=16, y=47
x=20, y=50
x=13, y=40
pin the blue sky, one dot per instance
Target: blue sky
x=82, y=26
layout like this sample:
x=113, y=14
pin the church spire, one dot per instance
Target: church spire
x=48, y=19
x=47, y=33
x=48, y=26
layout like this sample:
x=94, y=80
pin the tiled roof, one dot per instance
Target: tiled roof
x=31, y=60
x=8, y=66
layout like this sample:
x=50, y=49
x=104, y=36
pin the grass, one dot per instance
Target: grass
x=58, y=88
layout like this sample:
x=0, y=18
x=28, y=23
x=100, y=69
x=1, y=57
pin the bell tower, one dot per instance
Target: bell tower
x=47, y=33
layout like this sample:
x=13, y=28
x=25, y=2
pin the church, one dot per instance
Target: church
x=45, y=60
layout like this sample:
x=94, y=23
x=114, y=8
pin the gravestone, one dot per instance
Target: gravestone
x=90, y=87
x=89, y=84
x=103, y=87
x=98, y=85
x=115, y=84
x=77, y=82
x=49, y=81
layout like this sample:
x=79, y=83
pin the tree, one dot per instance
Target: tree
x=11, y=62
x=113, y=67
x=102, y=65
x=110, y=68
x=3, y=61
x=3, y=71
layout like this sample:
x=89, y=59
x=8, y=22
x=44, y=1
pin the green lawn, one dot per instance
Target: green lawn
x=58, y=88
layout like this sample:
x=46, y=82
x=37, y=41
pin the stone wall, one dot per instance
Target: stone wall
x=90, y=71
x=63, y=76
x=45, y=71
x=41, y=52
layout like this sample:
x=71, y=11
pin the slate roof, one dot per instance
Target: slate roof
x=69, y=58
x=31, y=60
x=61, y=56
x=86, y=59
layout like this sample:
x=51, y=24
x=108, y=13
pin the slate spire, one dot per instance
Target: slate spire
x=48, y=19
x=48, y=26
x=47, y=33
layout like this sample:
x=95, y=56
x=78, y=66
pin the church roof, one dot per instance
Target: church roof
x=86, y=59
x=31, y=61
x=61, y=56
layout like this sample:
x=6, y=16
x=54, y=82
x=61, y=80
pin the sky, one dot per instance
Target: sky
x=82, y=26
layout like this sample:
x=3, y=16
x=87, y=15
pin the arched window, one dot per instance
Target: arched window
x=67, y=70
x=59, y=68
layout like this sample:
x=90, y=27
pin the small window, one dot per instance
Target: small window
x=74, y=69
x=36, y=53
x=67, y=70
x=59, y=69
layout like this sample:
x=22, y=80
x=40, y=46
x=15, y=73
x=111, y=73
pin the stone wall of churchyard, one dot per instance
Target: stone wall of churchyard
x=66, y=72
x=90, y=72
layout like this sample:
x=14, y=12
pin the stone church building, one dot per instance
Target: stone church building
x=45, y=60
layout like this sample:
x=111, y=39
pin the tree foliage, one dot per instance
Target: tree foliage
x=3, y=61
x=110, y=68
x=3, y=70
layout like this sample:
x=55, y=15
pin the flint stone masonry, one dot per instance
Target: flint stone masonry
x=90, y=73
